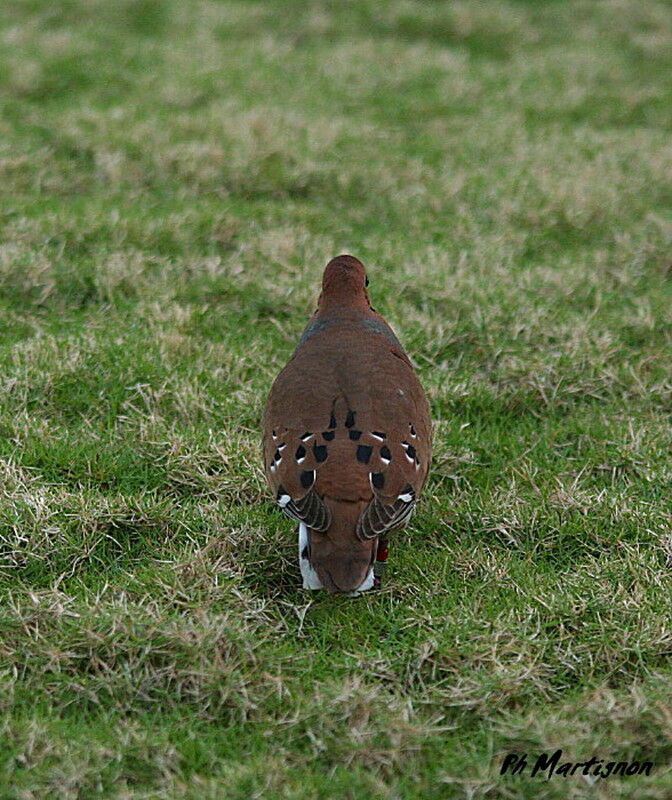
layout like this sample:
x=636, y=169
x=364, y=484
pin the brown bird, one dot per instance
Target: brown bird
x=347, y=435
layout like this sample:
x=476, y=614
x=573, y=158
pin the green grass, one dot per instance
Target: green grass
x=173, y=178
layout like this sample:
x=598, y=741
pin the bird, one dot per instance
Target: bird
x=347, y=436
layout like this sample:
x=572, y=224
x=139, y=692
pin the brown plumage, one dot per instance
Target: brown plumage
x=347, y=434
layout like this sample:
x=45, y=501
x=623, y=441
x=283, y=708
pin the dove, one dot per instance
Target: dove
x=346, y=436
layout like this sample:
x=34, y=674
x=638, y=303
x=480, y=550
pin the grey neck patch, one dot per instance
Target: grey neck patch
x=370, y=325
x=376, y=326
x=313, y=328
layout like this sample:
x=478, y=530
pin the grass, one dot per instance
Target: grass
x=173, y=178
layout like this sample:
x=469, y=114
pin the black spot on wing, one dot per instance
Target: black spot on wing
x=332, y=420
x=307, y=478
x=300, y=452
x=328, y=435
x=385, y=453
x=364, y=453
x=378, y=480
x=350, y=419
x=355, y=435
x=305, y=553
x=410, y=451
x=320, y=452
x=413, y=431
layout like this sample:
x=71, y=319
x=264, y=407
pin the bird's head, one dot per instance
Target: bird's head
x=337, y=565
x=344, y=283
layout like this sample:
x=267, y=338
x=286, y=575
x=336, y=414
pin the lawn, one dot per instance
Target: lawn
x=173, y=178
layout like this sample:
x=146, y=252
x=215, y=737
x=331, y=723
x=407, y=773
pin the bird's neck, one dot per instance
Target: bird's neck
x=341, y=303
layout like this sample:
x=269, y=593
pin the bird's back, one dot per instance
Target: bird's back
x=358, y=386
